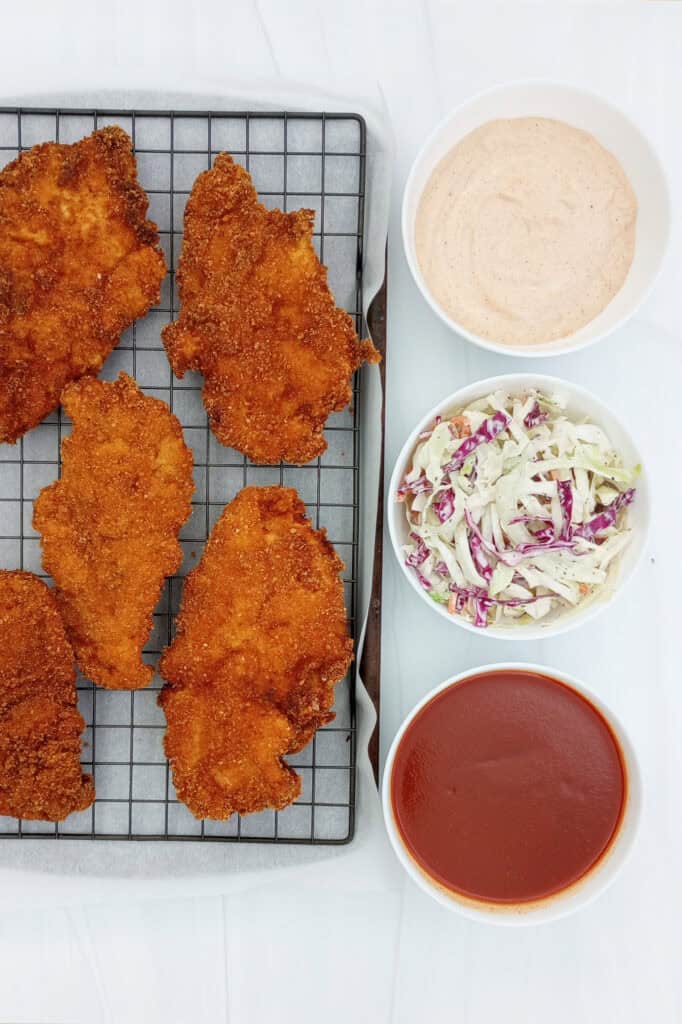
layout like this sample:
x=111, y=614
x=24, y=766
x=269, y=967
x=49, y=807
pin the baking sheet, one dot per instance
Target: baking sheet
x=43, y=872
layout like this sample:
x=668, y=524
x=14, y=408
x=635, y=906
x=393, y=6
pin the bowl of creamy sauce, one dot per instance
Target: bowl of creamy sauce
x=536, y=219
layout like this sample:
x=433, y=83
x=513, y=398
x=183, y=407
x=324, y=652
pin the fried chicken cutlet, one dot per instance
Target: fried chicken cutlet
x=40, y=725
x=257, y=319
x=262, y=639
x=78, y=264
x=109, y=526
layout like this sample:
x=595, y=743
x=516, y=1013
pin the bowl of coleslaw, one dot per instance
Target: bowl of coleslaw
x=518, y=506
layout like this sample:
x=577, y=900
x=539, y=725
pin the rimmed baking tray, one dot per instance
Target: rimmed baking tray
x=297, y=159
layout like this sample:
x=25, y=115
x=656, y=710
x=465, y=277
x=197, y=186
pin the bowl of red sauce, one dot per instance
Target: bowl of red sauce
x=512, y=794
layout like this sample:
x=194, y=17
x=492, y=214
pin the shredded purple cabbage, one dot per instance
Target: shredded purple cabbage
x=487, y=431
x=531, y=519
x=418, y=486
x=535, y=417
x=441, y=569
x=512, y=556
x=605, y=519
x=468, y=592
x=481, y=605
x=444, y=507
x=476, y=593
x=527, y=550
x=475, y=532
x=480, y=561
x=419, y=556
x=566, y=501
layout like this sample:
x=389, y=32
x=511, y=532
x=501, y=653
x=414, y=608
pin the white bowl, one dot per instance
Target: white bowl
x=617, y=133
x=559, y=904
x=579, y=403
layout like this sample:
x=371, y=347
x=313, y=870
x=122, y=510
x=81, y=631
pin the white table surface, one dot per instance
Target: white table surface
x=280, y=952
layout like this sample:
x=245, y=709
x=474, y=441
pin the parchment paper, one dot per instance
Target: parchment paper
x=52, y=873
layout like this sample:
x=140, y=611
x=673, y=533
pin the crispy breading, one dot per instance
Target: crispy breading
x=257, y=319
x=262, y=640
x=40, y=725
x=78, y=264
x=109, y=526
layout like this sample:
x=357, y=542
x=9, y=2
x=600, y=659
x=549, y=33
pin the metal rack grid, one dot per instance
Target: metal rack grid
x=295, y=159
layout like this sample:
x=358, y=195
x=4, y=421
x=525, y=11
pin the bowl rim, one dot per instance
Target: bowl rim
x=585, y=889
x=560, y=346
x=562, y=624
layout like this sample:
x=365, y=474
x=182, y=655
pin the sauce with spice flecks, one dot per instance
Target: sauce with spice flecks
x=526, y=230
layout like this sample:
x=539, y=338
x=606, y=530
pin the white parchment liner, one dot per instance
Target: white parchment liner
x=66, y=872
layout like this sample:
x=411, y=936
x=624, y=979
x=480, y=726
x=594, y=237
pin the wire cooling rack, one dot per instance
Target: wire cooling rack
x=295, y=160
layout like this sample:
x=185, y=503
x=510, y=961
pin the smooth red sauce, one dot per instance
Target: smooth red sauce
x=508, y=787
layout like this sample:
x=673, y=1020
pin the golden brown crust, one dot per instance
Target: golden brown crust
x=109, y=526
x=259, y=322
x=262, y=640
x=79, y=263
x=40, y=726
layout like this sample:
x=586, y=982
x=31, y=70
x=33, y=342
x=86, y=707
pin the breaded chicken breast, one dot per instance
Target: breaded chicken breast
x=258, y=320
x=79, y=262
x=109, y=526
x=40, y=725
x=262, y=639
